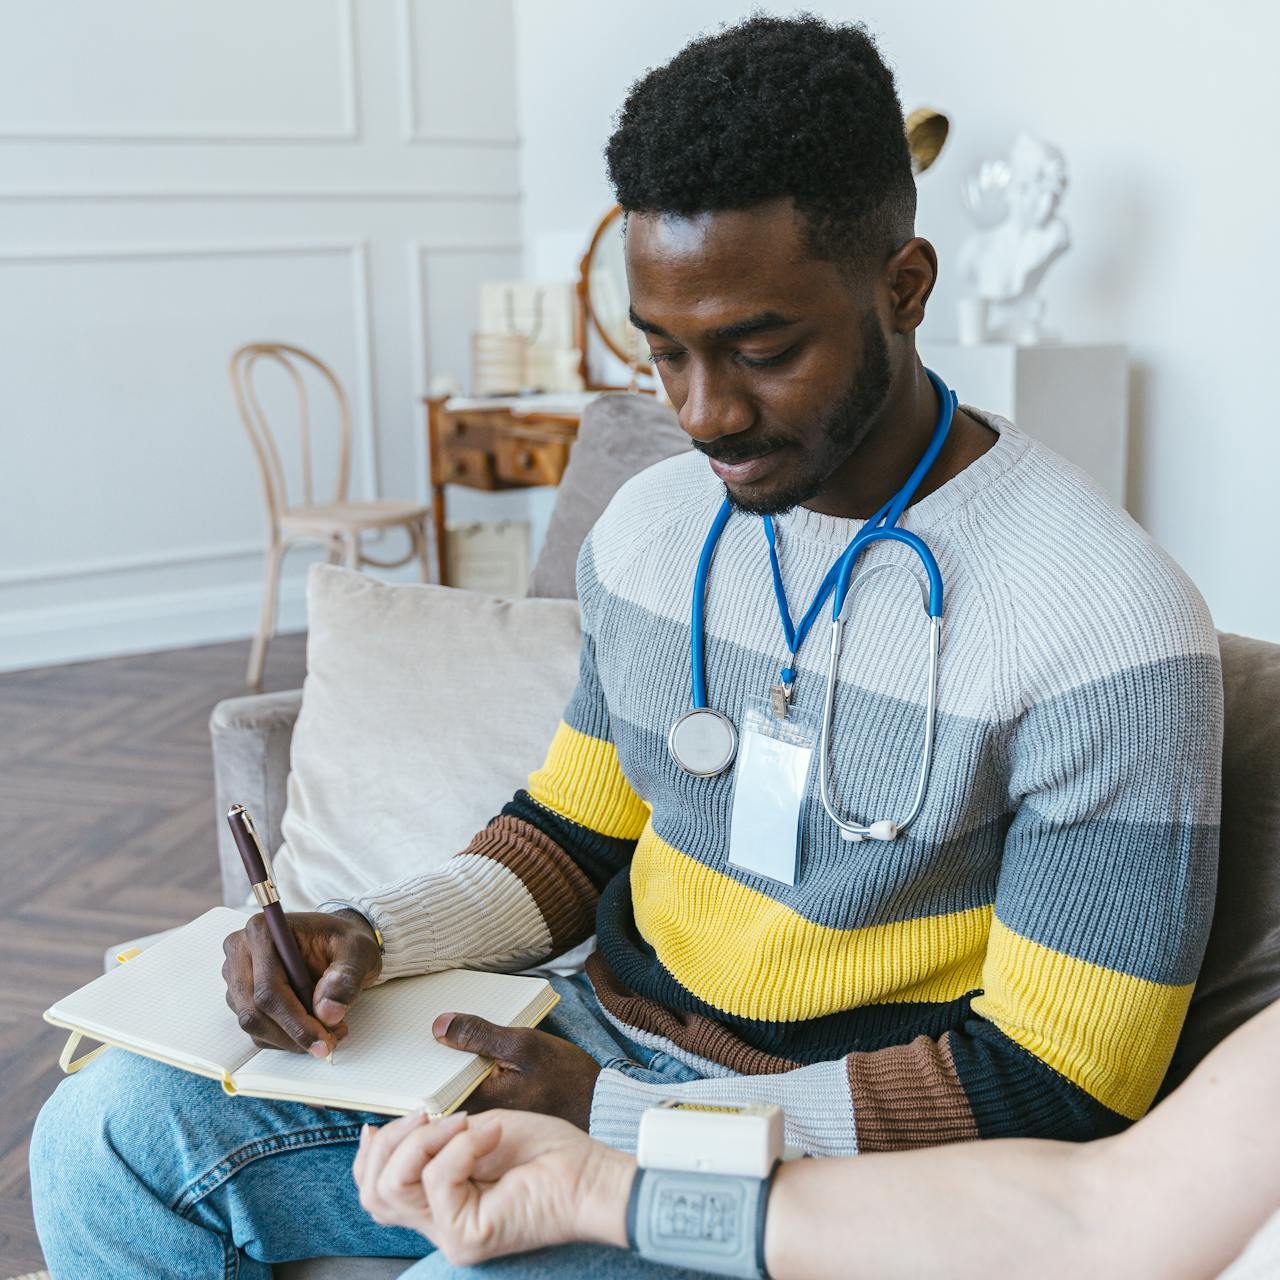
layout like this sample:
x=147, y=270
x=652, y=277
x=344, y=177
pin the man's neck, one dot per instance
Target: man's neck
x=880, y=465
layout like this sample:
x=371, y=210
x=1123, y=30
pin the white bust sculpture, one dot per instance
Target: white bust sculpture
x=1005, y=263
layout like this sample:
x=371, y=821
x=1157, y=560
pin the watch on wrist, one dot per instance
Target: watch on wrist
x=702, y=1186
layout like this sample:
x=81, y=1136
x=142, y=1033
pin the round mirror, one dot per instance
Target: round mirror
x=602, y=291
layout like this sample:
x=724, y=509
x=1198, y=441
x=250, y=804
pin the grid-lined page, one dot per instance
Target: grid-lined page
x=391, y=1059
x=170, y=1000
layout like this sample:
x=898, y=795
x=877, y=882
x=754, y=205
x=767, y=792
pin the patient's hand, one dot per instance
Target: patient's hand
x=503, y=1182
x=340, y=951
x=535, y=1071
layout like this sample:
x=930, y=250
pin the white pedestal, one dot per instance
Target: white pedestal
x=1075, y=399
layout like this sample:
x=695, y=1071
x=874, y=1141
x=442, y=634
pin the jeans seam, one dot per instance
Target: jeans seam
x=299, y=1140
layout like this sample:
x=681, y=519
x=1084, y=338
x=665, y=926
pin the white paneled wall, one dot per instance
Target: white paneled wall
x=1161, y=107
x=176, y=180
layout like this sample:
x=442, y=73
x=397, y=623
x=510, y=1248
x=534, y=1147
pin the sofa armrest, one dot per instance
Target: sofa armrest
x=251, y=739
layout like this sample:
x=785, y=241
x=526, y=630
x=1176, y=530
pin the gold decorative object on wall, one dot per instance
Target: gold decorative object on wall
x=927, y=130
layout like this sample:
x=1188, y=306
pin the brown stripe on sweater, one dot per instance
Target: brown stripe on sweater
x=558, y=886
x=693, y=1032
x=909, y=1095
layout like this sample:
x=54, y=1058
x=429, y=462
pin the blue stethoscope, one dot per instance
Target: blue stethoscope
x=703, y=741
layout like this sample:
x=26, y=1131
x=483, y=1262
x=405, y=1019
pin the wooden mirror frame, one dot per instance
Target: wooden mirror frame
x=588, y=321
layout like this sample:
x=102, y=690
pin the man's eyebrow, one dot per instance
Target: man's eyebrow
x=647, y=326
x=762, y=322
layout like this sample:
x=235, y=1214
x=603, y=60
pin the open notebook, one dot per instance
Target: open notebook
x=169, y=1003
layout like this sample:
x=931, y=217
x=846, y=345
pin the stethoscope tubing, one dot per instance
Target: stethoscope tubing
x=839, y=581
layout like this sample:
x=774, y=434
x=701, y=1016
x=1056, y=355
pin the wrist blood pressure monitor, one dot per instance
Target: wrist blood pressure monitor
x=702, y=1185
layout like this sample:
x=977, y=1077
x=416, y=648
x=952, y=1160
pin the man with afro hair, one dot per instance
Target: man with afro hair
x=1016, y=962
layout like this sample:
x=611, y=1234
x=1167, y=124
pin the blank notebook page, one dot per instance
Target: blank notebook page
x=170, y=1000
x=391, y=1058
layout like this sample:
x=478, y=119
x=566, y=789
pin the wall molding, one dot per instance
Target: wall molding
x=362, y=395
x=144, y=623
x=409, y=125
x=419, y=253
x=132, y=563
x=348, y=131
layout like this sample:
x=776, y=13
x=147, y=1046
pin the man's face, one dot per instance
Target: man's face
x=775, y=362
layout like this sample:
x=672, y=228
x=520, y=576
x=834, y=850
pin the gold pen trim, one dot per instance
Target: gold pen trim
x=264, y=893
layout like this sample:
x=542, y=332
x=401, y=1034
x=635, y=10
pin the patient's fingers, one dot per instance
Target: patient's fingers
x=375, y=1149
x=453, y=1195
x=400, y=1182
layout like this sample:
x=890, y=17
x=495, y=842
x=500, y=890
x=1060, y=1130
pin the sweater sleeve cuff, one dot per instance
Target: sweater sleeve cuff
x=469, y=913
x=815, y=1099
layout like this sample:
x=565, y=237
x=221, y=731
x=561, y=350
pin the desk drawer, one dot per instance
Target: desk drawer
x=471, y=467
x=530, y=462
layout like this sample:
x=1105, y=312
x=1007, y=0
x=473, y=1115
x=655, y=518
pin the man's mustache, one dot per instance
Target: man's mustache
x=730, y=451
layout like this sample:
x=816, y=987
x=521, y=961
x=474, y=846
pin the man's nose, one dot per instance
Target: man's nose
x=714, y=405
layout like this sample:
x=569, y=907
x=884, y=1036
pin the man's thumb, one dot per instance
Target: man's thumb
x=473, y=1034
x=337, y=989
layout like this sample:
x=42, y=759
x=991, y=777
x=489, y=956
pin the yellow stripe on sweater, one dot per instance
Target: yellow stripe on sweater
x=582, y=780
x=753, y=957
x=1108, y=1032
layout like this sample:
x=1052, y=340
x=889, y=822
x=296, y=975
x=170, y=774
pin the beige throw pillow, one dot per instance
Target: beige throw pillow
x=424, y=710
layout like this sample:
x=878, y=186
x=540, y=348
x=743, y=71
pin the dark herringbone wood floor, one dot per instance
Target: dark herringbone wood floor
x=107, y=823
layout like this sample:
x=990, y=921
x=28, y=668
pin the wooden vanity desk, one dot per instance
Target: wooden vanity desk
x=496, y=443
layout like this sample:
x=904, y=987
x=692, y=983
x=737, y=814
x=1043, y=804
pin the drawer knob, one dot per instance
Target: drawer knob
x=459, y=467
x=524, y=459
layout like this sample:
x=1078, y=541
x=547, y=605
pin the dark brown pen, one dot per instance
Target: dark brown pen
x=258, y=868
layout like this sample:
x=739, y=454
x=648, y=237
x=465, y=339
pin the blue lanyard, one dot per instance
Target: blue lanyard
x=841, y=572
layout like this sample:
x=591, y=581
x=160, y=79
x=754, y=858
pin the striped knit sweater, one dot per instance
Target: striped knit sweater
x=1018, y=963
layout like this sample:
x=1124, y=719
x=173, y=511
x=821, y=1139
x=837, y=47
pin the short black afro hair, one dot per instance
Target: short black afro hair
x=770, y=108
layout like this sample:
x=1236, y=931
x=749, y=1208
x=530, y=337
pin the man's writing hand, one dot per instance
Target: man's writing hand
x=534, y=1072
x=340, y=951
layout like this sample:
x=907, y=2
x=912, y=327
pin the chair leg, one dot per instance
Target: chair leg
x=351, y=558
x=420, y=543
x=335, y=551
x=267, y=622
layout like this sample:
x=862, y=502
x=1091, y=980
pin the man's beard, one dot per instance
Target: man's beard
x=845, y=428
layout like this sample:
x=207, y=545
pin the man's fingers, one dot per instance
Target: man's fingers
x=475, y=1035
x=267, y=1007
x=354, y=960
x=275, y=1000
x=237, y=973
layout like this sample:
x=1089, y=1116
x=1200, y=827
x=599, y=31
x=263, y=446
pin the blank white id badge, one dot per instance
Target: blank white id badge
x=769, y=784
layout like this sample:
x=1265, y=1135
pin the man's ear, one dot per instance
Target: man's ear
x=909, y=277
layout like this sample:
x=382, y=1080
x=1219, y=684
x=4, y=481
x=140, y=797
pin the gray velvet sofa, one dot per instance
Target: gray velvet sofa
x=619, y=436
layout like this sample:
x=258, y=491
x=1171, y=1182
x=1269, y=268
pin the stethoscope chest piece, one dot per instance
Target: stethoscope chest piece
x=703, y=742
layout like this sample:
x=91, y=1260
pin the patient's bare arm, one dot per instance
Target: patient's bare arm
x=1177, y=1196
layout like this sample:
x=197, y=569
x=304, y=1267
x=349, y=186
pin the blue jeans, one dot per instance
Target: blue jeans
x=140, y=1170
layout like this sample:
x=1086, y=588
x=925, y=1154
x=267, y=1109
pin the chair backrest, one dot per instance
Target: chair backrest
x=619, y=435
x=292, y=360
x=1241, y=971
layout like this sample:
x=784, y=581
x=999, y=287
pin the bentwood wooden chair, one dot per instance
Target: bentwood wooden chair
x=337, y=524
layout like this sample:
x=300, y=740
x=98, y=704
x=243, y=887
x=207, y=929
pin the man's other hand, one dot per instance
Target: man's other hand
x=534, y=1072
x=340, y=952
